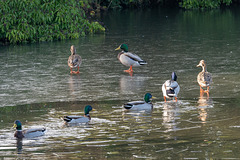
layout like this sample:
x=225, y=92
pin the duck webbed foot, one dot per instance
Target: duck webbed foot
x=74, y=72
x=129, y=70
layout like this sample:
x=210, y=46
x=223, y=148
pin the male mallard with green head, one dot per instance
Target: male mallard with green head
x=140, y=105
x=79, y=119
x=74, y=60
x=204, y=78
x=129, y=59
x=27, y=133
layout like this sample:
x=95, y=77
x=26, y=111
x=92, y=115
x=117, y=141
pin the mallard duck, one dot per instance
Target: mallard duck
x=27, y=133
x=204, y=78
x=74, y=61
x=138, y=105
x=171, y=88
x=79, y=119
x=128, y=58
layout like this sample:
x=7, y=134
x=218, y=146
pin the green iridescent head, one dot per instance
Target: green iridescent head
x=147, y=97
x=17, y=125
x=87, y=109
x=124, y=47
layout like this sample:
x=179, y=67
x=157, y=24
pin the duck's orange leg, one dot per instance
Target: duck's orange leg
x=208, y=94
x=71, y=71
x=201, y=94
x=176, y=99
x=165, y=100
x=201, y=90
x=206, y=91
x=77, y=71
x=129, y=70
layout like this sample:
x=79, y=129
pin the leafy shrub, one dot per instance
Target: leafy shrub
x=44, y=20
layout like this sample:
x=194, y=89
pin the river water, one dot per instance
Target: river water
x=37, y=88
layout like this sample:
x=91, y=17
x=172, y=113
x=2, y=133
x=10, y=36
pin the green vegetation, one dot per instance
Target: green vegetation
x=48, y=20
x=203, y=4
x=44, y=20
x=113, y=4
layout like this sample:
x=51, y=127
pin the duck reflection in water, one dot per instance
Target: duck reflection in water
x=131, y=84
x=170, y=115
x=144, y=115
x=19, y=146
x=74, y=83
x=204, y=102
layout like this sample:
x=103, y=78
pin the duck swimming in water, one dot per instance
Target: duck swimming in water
x=129, y=59
x=204, y=78
x=138, y=105
x=74, y=60
x=27, y=133
x=79, y=119
x=171, y=88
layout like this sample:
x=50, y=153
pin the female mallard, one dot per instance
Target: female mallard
x=171, y=88
x=138, y=105
x=79, y=119
x=27, y=133
x=128, y=58
x=204, y=78
x=74, y=61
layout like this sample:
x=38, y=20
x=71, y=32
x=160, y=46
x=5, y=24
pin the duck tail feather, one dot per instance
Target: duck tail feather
x=142, y=62
x=127, y=106
x=66, y=119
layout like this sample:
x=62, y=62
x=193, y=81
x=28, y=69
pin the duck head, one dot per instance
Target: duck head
x=87, y=109
x=73, y=50
x=17, y=125
x=174, y=76
x=148, y=97
x=203, y=65
x=124, y=47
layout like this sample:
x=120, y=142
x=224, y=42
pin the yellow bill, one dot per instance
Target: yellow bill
x=14, y=126
x=118, y=48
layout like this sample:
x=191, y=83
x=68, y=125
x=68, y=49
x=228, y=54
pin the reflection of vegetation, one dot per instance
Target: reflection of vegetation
x=201, y=22
x=187, y=4
x=133, y=3
x=31, y=21
x=24, y=112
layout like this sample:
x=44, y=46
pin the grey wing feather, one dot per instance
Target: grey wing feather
x=133, y=56
x=34, y=130
x=74, y=60
x=208, y=77
x=129, y=105
x=136, y=102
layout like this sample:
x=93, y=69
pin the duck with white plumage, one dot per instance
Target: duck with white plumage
x=170, y=88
